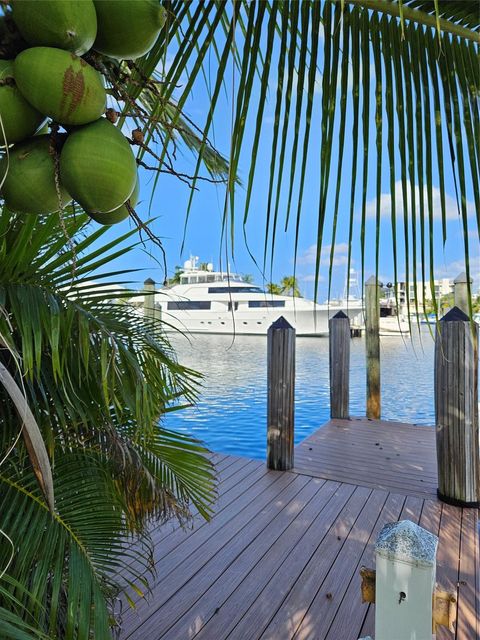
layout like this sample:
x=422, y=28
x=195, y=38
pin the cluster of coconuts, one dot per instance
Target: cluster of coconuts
x=86, y=158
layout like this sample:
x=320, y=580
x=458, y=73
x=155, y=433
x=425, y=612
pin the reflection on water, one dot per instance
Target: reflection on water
x=231, y=413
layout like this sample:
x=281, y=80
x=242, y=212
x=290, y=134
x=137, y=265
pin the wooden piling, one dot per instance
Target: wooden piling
x=460, y=292
x=372, y=347
x=339, y=339
x=281, y=395
x=456, y=410
x=149, y=298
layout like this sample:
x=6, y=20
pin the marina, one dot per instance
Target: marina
x=286, y=554
x=280, y=559
x=230, y=413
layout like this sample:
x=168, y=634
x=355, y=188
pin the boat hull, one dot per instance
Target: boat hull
x=308, y=322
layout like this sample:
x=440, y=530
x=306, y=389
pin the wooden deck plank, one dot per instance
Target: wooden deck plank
x=175, y=557
x=244, y=526
x=389, y=456
x=467, y=597
x=263, y=588
x=288, y=617
x=385, y=458
x=275, y=541
x=329, y=596
x=359, y=475
x=280, y=542
x=448, y=555
x=233, y=481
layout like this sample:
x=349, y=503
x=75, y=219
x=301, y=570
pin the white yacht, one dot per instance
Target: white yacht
x=208, y=301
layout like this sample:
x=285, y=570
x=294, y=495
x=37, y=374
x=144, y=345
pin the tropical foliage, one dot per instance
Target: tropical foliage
x=97, y=377
x=288, y=287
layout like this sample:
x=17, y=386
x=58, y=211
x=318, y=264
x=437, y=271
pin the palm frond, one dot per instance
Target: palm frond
x=429, y=65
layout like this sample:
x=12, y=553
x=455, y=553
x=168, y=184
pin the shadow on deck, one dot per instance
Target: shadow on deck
x=281, y=557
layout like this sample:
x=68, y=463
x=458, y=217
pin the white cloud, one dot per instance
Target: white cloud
x=309, y=256
x=452, y=269
x=386, y=204
x=310, y=277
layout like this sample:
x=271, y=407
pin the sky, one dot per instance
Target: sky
x=202, y=234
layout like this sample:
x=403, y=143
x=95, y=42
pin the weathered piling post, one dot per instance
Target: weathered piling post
x=339, y=339
x=281, y=394
x=460, y=292
x=372, y=346
x=456, y=409
x=149, y=298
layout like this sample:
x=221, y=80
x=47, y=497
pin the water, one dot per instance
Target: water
x=230, y=416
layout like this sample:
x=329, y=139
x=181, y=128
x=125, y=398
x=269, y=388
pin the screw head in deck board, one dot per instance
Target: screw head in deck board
x=455, y=315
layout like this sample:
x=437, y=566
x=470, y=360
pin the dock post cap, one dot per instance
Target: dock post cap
x=149, y=281
x=408, y=542
x=461, y=278
x=281, y=323
x=340, y=314
x=455, y=315
x=372, y=281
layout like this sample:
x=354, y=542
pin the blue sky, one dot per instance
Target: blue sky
x=203, y=232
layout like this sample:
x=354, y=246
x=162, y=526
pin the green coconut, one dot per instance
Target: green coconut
x=60, y=85
x=66, y=24
x=126, y=29
x=117, y=215
x=19, y=119
x=97, y=167
x=29, y=185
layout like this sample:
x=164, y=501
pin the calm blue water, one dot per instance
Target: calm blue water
x=231, y=414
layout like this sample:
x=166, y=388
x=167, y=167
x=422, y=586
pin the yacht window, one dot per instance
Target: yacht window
x=266, y=303
x=235, y=290
x=386, y=312
x=183, y=280
x=202, y=278
x=235, y=306
x=188, y=305
x=193, y=279
x=210, y=278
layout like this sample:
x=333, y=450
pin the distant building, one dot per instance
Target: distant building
x=422, y=290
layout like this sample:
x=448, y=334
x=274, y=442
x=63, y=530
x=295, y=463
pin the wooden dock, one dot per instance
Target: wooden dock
x=280, y=559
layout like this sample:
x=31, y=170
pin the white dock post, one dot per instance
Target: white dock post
x=405, y=556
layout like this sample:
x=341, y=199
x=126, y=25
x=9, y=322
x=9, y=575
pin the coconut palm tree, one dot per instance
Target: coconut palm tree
x=274, y=288
x=289, y=286
x=98, y=377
